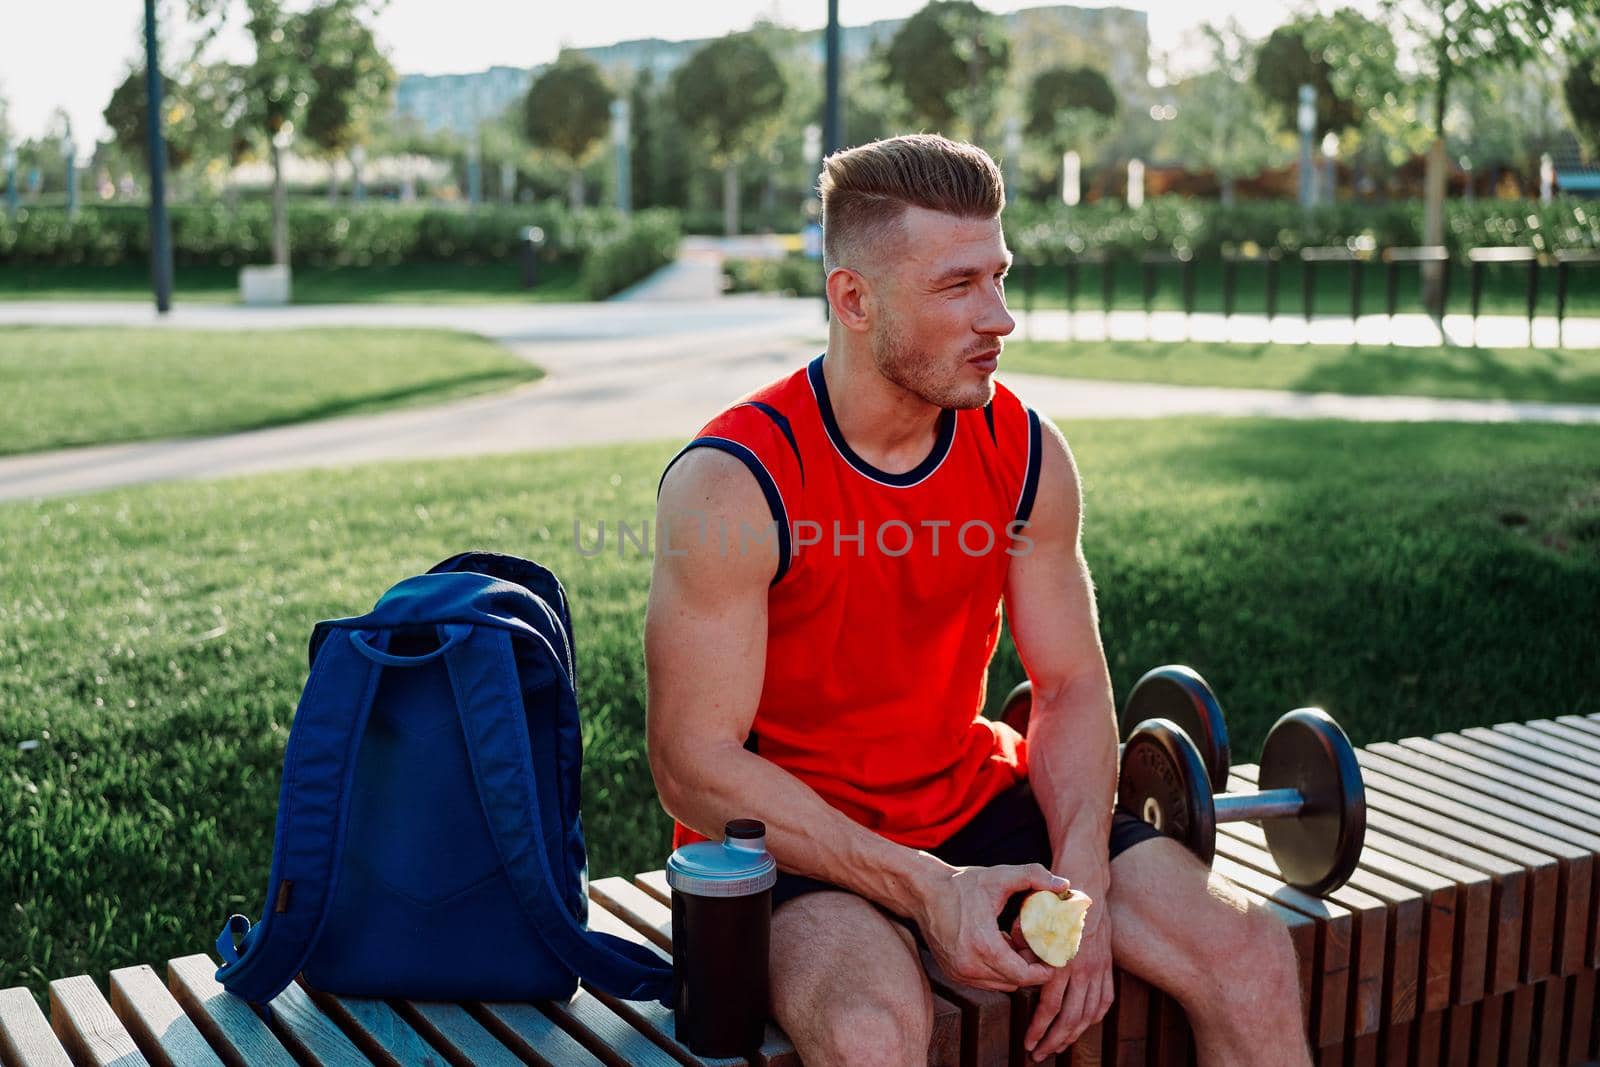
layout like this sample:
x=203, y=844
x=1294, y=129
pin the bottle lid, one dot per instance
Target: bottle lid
x=737, y=866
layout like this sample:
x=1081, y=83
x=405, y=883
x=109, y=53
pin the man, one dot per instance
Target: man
x=833, y=554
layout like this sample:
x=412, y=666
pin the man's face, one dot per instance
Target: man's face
x=939, y=314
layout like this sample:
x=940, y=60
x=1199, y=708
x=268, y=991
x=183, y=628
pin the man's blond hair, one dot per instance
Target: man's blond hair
x=865, y=190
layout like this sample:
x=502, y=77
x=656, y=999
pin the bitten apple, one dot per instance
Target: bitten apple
x=1052, y=924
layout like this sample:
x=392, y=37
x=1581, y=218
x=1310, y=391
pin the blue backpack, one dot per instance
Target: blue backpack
x=428, y=844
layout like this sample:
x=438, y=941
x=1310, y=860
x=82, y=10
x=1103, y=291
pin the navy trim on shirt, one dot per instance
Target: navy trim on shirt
x=782, y=422
x=769, y=488
x=941, y=445
x=1030, y=480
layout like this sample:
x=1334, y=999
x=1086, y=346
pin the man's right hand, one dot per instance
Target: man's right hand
x=959, y=917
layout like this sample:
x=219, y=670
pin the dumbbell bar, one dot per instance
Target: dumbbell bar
x=1172, y=692
x=1311, y=803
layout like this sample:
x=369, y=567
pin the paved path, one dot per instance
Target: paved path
x=633, y=372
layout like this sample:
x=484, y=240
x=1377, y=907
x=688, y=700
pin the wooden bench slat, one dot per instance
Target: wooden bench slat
x=1131, y=1039
x=1517, y=1047
x=646, y=914
x=1418, y=808
x=1512, y=762
x=1458, y=1023
x=985, y=1015
x=166, y=1036
x=1368, y=935
x=378, y=1030
x=87, y=1027
x=1394, y=1050
x=234, y=1030
x=1491, y=1020
x=1590, y=726
x=307, y=1033
x=26, y=1039
x=461, y=1039
x=1581, y=1020
x=1577, y=809
x=611, y=1037
x=1486, y=771
x=655, y=883
x=1574, y=743
x=533, y=1035
x=1551, y=1015
x=1577, y=920
x=1171, y=1041
x=1492, y=963
x=1535, y=752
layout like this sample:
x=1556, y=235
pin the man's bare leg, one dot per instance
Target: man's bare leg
x=1228, y=961
x=847, y=984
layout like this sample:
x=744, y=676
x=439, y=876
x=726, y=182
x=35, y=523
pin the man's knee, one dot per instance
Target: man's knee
x=880, y=1031
x=1250, y=958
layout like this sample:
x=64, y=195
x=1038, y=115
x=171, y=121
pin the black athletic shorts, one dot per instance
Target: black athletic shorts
x=1009, y=830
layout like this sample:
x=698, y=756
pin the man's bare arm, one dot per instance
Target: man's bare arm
x=705, y=654
x=1072, y=730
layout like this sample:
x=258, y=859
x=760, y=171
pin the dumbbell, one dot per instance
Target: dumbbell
x=1311, y=802
x=1172, y=692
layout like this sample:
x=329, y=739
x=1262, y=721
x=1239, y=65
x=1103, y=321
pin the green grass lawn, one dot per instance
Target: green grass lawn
x=444, y=283
x=71, y=386
x=1409, y=578
x=1550, y=374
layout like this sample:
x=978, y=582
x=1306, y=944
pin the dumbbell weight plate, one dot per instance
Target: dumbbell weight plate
x=1164, y=783
x=1177, y=693
x=1319, y=850
x=1173, y=692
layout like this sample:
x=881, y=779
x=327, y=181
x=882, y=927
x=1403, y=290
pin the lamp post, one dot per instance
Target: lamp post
x=1330, y=175
x=621, y=133
x=69, y=149
x=832, y=120
x=358, y=159
x=1307, y=116
x=11, y=180
x=1071, y=179
x=160, y=229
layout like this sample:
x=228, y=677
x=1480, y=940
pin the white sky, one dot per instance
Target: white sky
x=72, y=53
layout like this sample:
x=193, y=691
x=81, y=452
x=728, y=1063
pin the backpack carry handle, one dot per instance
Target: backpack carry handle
x=453, y=634
x=483, y=673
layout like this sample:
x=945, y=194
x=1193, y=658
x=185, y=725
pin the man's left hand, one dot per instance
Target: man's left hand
x=1080, y=993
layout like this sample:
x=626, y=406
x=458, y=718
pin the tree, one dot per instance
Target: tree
x=950, y=61
x=1223, y=122
x=1069, y=108
x=1464, y=40
x=279, y=85
x=727, y=94
x=1581, y=87
x=1348, y=58
x=354, y=81
x=127, y=116
x=568, y=110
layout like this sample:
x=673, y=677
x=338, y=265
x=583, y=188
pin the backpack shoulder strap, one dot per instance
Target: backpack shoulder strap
x=483, y=674
x=313, y=810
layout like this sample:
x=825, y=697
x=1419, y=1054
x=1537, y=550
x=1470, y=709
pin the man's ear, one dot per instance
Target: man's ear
x=849, y=297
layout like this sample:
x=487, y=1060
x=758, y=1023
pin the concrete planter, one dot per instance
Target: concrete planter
x=264, y=286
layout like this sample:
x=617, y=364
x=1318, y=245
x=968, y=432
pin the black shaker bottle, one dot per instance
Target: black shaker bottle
x=721, y=917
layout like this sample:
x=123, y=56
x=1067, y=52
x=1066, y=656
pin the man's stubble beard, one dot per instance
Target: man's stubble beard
x=906, y=366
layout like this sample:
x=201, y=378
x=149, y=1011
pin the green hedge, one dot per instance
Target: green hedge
x=795, y=274
x=1202, y=228
x=621, y=256
x=343, y=235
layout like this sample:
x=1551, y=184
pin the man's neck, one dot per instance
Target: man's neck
x=886, y=425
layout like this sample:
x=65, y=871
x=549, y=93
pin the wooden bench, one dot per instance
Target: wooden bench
x=1469, y=935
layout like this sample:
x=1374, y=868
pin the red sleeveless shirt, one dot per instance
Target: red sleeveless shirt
x=886, y=605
